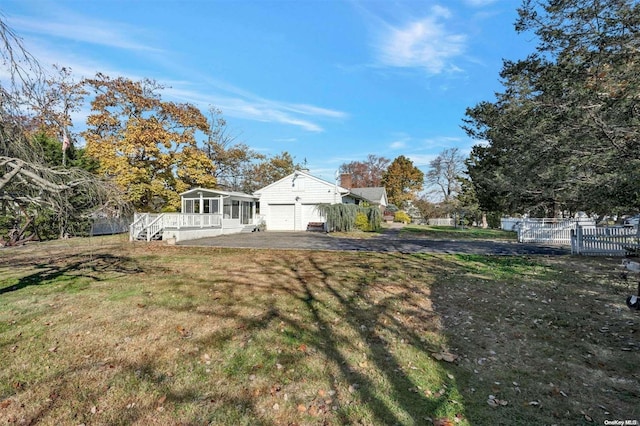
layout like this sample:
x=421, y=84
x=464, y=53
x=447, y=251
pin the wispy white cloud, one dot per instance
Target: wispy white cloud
x=426, y=43
x=83, y=29
x=398, y=144
x=420, y=160
x=41, y=33
x=235, y=102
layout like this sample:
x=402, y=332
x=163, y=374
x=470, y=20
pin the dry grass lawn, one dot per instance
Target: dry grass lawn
x=101, y=331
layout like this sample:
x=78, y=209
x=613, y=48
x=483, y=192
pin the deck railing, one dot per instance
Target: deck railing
x=152, y=224
x=138, y=225
x=192, y=220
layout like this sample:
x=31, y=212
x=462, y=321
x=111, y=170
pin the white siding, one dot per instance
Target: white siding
x=302, y=191
x=310, y=214
x=281, y=217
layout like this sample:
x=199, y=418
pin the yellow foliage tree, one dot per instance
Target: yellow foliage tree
x=146, y=145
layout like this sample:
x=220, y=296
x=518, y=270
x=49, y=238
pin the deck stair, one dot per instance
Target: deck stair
x=147, y=227
x=248, y=229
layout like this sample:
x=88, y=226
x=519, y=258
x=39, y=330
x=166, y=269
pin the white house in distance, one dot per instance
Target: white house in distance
x=374, y=196
x=290, y=204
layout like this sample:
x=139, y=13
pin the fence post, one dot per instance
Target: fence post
x=578, y=240
x=519, y=232
x=573, y=241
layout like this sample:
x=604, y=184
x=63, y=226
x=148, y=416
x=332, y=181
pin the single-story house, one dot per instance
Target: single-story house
x=375, y=196
x=290, y=204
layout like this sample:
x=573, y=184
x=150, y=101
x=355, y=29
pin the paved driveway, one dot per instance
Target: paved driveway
x=390, y=241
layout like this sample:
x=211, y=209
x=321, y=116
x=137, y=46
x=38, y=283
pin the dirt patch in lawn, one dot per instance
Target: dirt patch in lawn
x=101, y=331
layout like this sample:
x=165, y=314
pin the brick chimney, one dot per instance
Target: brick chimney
x=345, y=180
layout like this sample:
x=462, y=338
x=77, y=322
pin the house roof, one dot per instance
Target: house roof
x=374, y=194
x=340, y=189
x=216, y=192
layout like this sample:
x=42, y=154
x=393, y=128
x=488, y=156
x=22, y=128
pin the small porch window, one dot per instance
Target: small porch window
x=191, y=206
x=211, y=206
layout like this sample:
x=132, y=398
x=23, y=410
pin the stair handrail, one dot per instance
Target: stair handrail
x=138, y=226
x=155, y=226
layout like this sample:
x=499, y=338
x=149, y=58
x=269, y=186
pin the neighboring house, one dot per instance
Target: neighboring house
x=290, y=204
x=376, y=196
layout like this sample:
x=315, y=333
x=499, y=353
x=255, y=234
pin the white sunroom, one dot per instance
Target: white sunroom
x=204, y=213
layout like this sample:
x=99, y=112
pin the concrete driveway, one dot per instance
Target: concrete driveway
x=390, y=241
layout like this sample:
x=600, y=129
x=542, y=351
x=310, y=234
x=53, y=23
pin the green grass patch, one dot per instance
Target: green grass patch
x=101, y=331
x=451, y=233
x=501, y=267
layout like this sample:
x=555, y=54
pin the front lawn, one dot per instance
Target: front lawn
x=101, y=331
x=451, y=233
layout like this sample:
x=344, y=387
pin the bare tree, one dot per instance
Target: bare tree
x=27, y=183
x=368, y=173
x=233, y=160
x=444, y=173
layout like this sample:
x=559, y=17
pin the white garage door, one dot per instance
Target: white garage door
x=310, y=214
x=281, y=217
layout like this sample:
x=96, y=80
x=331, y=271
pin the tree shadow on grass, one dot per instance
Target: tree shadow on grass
x=296, y=323
x=378, y=325
x=364, y=318
x=91, y=266
x=556, y=343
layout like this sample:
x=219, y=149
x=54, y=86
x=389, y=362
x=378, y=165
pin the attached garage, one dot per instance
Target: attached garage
x=281, y=217
x=310, y=213
x=290, y=204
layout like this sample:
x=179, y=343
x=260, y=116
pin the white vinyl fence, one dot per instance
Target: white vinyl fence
x=607, y=241
x=441, y=222
x=549, y=231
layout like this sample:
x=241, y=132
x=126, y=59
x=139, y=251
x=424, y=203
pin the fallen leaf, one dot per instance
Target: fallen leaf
x=445, y=356
x=302, y=348
x=495, y=402
x=275, y=389
x=5, y=403
x=53, y=349
x=443, y=421
x=302, y=408
x=183, y=331
x=162, y=399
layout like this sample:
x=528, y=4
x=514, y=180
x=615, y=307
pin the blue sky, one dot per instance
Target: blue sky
x=328, y=81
